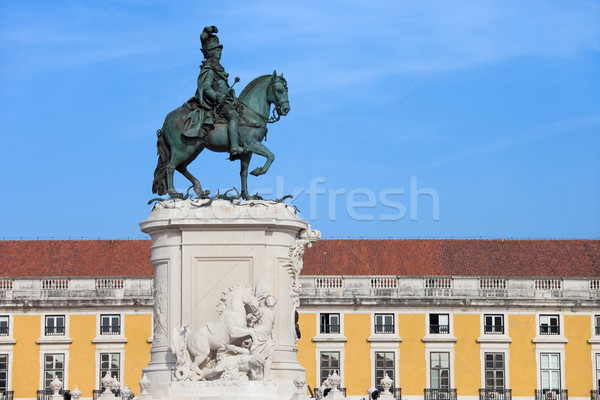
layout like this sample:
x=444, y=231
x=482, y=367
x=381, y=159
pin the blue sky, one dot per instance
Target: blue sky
x=493, y=113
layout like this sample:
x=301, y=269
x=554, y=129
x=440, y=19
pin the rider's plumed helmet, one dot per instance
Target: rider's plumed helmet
x=209, y=40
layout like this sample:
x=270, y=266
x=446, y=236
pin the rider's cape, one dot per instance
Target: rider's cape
x=199, y=111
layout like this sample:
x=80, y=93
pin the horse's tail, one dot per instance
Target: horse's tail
x=159, y=185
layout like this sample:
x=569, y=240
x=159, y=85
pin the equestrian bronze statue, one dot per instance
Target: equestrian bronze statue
x=219, y=121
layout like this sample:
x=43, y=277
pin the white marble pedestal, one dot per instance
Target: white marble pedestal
x=200, y=251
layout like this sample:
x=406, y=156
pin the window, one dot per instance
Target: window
x=330, y=323
x=440, y=370
x=330, y=363
x=3, y=372
x=54, y=366
x=550, y=370
x=494, y=370
x=110, y=324
x=384, y=364
x=493, y=324
x=109, y=363
x=384, y=323
x=597, y=371
x=55, y=325
x=549, y=325
x=439, y=323
x=3, y=325
x=597, y=324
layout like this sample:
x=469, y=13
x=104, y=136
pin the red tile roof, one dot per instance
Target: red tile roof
x=77, y=258
x=566, y=258
x=542, y=258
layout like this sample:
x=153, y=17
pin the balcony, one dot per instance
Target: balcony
x=330, y=329
x=396, y=392
x=595, y=394
x=444, y=329
x=3, y=330
x=549, y=330
x=110, y=330
x=46, y=394
x=7, y=394
x=495, y=394
x=384, y=328
x=439, y=394
x=493, y=329
x=54, y=331
x=551, y=394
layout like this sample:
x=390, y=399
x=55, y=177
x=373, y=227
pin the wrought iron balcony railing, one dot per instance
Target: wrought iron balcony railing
x=321, y=395
x=595, y=394
x=46, y=394
x=396, y=392
x=439, y=394
x=7, y=394
x=493, y=329
x=54, y=330
x=110, y=330
x=549, y=330
x=551, y=394
x=384, y=328
x=330, y=329
x=495, y=394
x=3, y=330
x=439, y=328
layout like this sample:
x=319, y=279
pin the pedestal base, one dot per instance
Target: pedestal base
x=230, y=390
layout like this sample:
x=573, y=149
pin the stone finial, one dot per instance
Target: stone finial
x=126, y=392
x=334, y=381
x=144, y=385
x=115, y=384
x=300, y=382
x=386, y=383
x=56, y=385
x=107, y=382
x=76, y=393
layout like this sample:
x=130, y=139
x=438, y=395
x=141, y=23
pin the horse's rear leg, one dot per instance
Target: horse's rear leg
x=197, y=186
x=244, y=162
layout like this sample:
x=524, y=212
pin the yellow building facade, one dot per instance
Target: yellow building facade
x=524, y=335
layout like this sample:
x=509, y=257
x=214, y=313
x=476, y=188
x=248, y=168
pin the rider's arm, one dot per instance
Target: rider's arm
x=207, y=86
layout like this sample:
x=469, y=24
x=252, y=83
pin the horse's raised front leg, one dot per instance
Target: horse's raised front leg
x=244, y=163
x=260, y=149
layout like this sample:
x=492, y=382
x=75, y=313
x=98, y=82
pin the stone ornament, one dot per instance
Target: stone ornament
x=241, y=337
x=386, y=383
x=333, y=383
x=56, y=385
x=126, y=392
x=76, y=393
x=305, y=239
x=144, y=385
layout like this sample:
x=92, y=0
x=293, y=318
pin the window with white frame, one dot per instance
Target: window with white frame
x=439, y=323
x=3, y=372
x=597, y=324
x=54, y=367
x=384, y=323
x=439, y=369
x=550, y=371
x=384, y=364
x=597, y=371
x=55, y=325
x=549, y=325
x=4, y=321
x=493, y=324
x=494, y=370
x=110, y=324
x=330, y=323
x=330, y=363
x=109, y=363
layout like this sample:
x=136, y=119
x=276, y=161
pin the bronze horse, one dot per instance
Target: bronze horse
x=177, y=151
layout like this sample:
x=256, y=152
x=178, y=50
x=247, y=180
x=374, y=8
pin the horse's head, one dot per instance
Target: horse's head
x=277, y=93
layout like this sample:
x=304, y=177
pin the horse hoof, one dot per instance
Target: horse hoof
x=256, y=172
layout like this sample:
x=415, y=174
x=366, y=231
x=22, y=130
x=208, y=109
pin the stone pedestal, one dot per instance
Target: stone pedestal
x=202, y=248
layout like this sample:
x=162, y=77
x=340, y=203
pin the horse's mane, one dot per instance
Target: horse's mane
x=224, y=301
x=251, y=85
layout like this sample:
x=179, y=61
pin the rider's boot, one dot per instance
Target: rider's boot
x=234, y=139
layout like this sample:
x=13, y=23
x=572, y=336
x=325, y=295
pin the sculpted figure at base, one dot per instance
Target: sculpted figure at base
x=235, y=346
